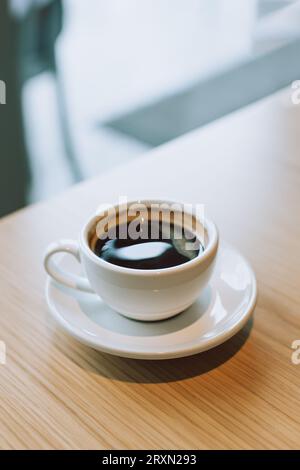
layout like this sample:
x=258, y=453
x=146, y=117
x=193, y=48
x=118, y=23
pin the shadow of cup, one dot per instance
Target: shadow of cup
x=159, y=371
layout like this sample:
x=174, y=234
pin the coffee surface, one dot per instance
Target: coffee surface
x=169, y=247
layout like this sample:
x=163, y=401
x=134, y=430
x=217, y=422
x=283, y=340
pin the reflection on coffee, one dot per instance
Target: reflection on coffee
x=170, y=247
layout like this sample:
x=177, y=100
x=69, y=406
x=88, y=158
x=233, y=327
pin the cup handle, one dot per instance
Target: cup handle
x=60, y=275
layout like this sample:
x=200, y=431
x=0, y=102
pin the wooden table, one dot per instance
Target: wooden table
x=57, y=393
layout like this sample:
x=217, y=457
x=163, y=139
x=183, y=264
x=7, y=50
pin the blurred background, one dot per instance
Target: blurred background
x=93, y=84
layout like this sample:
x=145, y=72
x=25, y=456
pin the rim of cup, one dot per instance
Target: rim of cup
x=209, y=227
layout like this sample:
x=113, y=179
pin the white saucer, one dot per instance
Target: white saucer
x=220, y=312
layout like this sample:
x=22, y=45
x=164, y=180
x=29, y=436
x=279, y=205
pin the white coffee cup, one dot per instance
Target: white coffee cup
x=140, y=294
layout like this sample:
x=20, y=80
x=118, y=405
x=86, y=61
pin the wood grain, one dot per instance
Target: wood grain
x=58, y=394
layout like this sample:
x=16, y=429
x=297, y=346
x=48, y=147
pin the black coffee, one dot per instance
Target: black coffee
x=167, y=248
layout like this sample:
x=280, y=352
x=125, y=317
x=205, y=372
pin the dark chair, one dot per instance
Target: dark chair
x=27, y=48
